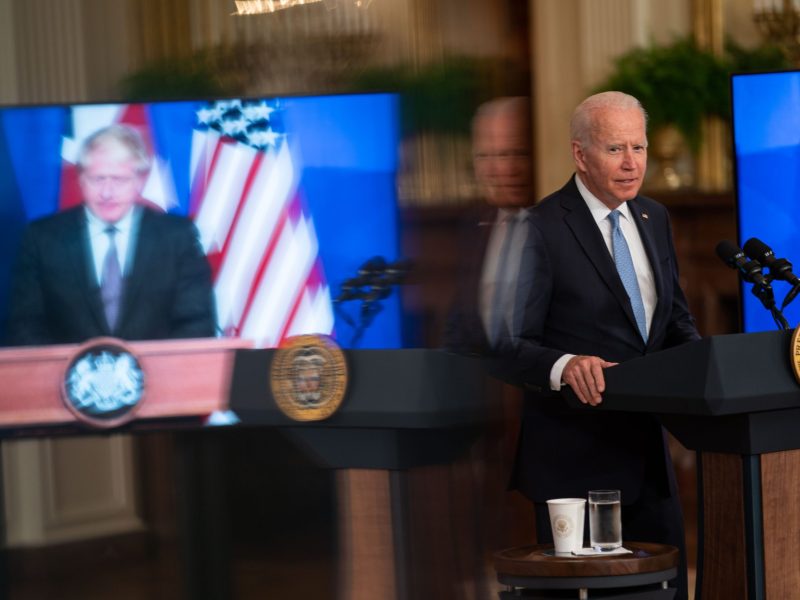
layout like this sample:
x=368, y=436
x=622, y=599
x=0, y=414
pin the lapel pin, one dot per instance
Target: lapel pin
x=645, y=215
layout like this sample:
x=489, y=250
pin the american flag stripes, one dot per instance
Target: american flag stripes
x=253, y=225
x=245, y=199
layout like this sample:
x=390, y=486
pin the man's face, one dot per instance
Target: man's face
x=613, y=165
x=110, y=183
x=501, y=151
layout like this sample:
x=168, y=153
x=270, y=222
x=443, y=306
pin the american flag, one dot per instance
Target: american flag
x=259, y=237
x=245, y=199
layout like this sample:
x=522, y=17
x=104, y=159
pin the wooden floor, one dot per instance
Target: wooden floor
x=254, y=578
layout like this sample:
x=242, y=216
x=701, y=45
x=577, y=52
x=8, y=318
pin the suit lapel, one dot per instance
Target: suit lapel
x=78, y=252
x=142, y=257
x=579, y=219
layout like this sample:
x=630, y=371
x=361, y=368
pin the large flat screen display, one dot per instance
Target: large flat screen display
x=290, y=196
x=766, y=127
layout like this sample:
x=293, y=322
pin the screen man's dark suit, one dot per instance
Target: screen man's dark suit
x=167, y=292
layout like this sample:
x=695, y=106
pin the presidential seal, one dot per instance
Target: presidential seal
x=308, y=377
x=563, y=525
x=103, y=384
x=794, y=353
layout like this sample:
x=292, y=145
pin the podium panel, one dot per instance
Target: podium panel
x=734, y=400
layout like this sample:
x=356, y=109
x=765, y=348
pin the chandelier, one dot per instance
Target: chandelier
x=779, y=22
x=260, y=7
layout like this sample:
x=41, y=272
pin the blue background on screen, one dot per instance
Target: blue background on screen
x=346, y=147
x=766, y=125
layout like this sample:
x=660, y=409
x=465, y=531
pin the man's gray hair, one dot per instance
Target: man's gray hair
x=125, y=136
x=519, y=106
x=582, y=122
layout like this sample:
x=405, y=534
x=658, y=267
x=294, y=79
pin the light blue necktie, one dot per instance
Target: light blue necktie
x=111, y=283
x=624, y=262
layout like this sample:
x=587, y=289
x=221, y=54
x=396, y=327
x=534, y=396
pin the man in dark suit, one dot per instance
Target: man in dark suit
x=111, y=266
x=605, y=290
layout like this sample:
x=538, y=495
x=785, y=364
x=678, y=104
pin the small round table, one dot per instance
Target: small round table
x=536, y=572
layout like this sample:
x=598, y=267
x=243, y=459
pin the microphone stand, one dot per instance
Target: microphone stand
x=764, y=293
x=370, y=288
x=790, y=296
x=370, y=307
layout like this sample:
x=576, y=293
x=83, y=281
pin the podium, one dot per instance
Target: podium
x=402, y=409
x=734, y=400
x=185, y=379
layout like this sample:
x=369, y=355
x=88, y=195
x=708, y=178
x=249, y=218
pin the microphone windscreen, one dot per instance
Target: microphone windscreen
x=727, y=251
x=756, y=249
x=376, y=264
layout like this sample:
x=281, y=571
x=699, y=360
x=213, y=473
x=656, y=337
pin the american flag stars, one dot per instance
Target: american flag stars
x=248, y=122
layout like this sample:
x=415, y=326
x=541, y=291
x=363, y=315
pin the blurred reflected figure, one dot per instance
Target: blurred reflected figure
x=111, y=266
x=501, y=152
x=484, y=319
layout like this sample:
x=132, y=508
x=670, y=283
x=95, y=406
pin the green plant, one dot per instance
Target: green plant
x=679, y=84
x=440, y=97
x=210, y=72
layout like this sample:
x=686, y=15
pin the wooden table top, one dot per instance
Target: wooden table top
x=538, y=561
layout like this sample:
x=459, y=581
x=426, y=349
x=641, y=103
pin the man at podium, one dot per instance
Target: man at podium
x=604, y=290
x=594, y=283
x=111, y=266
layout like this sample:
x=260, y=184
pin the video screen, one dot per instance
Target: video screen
x=766, y=130
x=290, y=197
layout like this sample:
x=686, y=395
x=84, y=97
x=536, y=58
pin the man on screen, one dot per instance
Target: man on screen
x=111, y=266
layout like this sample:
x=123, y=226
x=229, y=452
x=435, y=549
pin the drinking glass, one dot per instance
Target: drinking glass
x=605, y=520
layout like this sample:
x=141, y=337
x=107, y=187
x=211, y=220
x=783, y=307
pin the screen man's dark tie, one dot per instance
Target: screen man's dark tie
x=111, y=280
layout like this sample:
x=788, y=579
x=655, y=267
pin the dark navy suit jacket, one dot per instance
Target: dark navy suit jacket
x=56, y=298
x=577, y=304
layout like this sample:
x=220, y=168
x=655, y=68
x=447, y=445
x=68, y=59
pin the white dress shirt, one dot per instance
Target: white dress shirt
x=644, y=271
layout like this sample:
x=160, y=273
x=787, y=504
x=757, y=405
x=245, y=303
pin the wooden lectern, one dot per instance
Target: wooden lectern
x=734, y=400
x=184, y=378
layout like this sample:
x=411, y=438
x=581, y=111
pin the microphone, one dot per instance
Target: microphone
x=374, y=275
x=779, y=268
x=351, y=289
x=396, y=272
x=749, y=270
x=372, y=268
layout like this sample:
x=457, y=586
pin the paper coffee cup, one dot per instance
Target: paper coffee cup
x=566, y=521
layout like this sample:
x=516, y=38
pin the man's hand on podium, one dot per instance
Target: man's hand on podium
x=584, y=374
